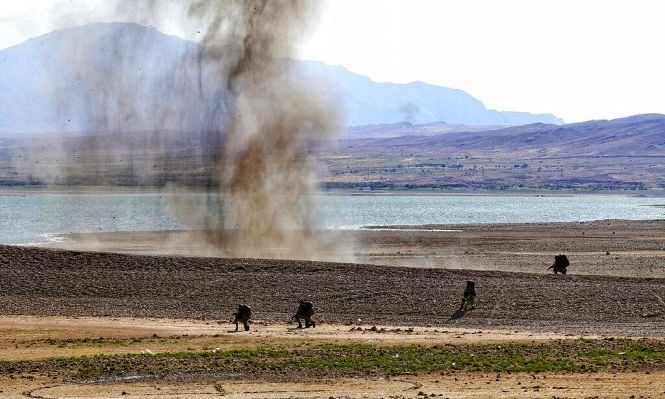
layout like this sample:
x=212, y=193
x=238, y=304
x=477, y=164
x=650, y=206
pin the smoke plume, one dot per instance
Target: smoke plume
x=232, y=115
x=266, y=169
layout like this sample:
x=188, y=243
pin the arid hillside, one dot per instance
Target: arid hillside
x=616, y=155
x=597, y=156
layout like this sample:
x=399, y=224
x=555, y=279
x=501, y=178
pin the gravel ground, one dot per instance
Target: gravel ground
x=57, y=282
x=621, y=248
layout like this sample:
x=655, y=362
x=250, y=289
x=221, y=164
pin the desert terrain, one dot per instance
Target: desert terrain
x=106, y=317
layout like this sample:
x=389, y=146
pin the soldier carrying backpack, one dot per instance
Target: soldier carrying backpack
x=305, y=311
x=469, y=298
x=560, y=264
x=243, y=315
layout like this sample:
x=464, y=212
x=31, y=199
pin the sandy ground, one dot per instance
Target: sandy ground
x=31, y=338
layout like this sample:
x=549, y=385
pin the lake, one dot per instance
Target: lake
x=41, y=218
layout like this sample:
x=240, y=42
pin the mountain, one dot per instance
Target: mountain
x=123, y=76
x=367, y=102
x=103, y=77
x=639, y=135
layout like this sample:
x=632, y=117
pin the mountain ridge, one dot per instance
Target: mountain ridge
x=410, y=107
x=146, y=63
x=636, y=135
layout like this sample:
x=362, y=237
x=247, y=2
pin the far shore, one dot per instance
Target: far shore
x=130, y=190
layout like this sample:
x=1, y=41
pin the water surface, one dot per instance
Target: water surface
x=41, y=218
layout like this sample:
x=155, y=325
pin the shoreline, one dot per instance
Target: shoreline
x=127, y=190
x=607, y=247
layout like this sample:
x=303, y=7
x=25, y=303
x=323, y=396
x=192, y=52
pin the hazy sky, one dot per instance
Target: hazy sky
x=578, y=59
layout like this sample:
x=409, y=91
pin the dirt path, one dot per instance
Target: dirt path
x=475, y=385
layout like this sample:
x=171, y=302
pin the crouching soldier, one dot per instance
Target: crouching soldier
x=469, y=296
x=243, y=315
x=560, y=264
x=305, y=311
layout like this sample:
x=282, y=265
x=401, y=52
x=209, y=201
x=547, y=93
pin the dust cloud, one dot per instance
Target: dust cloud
x=230, y=116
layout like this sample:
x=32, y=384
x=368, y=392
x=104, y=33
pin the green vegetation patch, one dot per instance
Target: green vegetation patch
x=348, y=359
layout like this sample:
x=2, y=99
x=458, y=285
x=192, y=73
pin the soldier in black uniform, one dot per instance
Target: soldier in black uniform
x=560, y=264
x=243, y=315
x=305, y=311
x=469, y=296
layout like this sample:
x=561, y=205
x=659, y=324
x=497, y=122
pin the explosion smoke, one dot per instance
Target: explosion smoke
x=254, y=118
x=266, y=168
